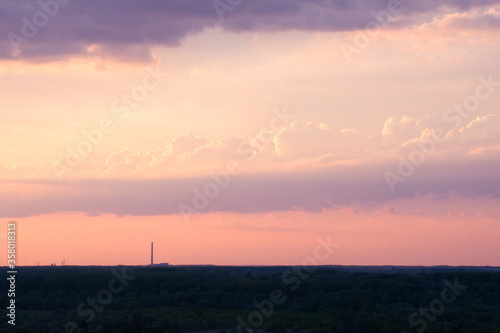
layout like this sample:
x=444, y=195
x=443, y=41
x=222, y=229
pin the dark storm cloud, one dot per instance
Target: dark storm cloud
x=121, y=26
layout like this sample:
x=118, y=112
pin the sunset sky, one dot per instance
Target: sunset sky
x=238, y=132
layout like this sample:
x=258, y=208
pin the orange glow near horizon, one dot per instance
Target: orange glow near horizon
x=256, y=239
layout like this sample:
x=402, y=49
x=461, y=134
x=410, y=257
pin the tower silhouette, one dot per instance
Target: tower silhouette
x=151, y=253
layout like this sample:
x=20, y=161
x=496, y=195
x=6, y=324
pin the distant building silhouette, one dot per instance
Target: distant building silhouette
x=152, y=262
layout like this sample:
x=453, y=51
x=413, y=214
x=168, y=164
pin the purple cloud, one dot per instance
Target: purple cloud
x=129, y=28
x=331, y=188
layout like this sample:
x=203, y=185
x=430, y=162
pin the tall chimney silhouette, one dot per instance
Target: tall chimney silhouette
x=151, y=253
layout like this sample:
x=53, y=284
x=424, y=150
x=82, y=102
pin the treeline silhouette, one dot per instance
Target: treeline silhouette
x=234, y=299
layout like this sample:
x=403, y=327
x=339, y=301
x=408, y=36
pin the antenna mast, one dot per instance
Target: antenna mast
x=151, y=253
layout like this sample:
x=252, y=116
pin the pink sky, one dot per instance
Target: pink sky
x=267, y=129
x=286, y=238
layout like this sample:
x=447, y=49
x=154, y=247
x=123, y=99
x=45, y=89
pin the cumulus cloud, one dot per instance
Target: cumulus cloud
x=401, y=129
x=303, y=152
x=470, y=170
x=483, y=131
x=127, y=30
x=478, y=20
x=184, y=144
x=301, y=139
x=409, y=133
x=300, y=145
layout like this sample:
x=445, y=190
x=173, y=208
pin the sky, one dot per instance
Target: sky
x=238, y=132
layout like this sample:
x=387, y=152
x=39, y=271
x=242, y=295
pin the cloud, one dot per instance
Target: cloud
x=307, y=179
x=127, y=30
x=401, y=129
x=478, y=20
x=319, y=169
x=483, y=131
x=324, y=189
x=301, y=145
x=183, y=144
x=490, y=151
x=395, y=127
x=405, y=134
x=307, y=140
